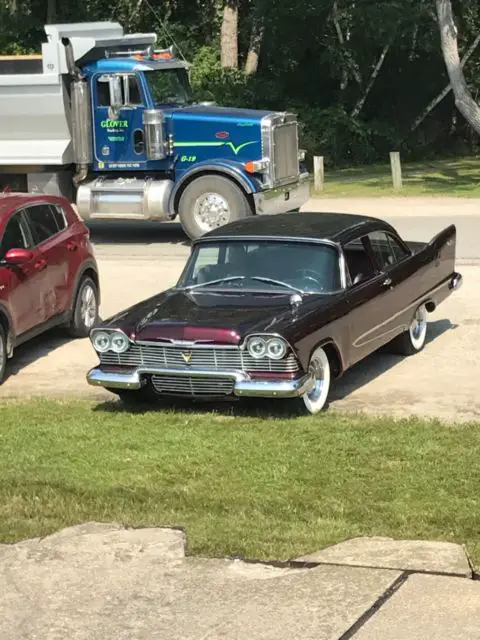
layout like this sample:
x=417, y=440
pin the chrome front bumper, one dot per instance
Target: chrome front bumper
x=243, y=386
x=283, y=199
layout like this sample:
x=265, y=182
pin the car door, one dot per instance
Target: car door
x=51, y=244
x=400, y=288
x=17, y=283
x=119, y=141
x=365, y=296
x=380, y=291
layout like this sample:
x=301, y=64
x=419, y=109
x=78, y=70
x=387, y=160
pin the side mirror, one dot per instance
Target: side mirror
x=17, y=256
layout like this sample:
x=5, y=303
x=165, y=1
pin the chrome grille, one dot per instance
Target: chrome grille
x=192, y=386
x=285, y=152
x=210, y=358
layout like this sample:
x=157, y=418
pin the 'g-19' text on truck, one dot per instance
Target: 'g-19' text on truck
x=103, y=118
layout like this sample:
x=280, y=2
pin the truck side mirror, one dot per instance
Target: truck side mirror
x=116, y=98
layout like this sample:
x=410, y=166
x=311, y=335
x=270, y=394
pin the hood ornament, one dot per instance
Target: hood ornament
x=295, y=300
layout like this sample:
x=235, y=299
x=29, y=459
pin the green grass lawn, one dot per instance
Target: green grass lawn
x=241, y=483
x=452, y=177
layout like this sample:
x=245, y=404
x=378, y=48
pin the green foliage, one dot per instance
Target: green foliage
x=316, y=58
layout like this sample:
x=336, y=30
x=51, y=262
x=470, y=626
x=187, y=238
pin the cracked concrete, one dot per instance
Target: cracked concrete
x=103, y=581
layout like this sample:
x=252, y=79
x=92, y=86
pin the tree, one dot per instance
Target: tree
x=449, y=39
x=229, y=35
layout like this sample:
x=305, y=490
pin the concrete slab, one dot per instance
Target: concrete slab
x=428, y=607
x=116, y=584
x=405, y=555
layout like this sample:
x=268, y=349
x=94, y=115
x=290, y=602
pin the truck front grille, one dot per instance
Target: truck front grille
x=285, y=152
x=209, y=358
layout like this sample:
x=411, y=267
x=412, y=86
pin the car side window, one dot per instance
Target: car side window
x=359, y=263
x=42, y=221
x=59, y=215
x=387, y=250
x=15, y=236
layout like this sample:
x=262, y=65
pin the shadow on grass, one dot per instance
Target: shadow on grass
x=355, y=378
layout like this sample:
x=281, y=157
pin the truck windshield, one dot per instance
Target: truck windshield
x=263, y=265
x=169, y=86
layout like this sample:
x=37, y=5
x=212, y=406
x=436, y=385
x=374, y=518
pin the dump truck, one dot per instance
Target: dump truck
x=110, y=122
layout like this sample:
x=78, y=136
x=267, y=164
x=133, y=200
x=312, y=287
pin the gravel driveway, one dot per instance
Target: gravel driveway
x=442, y=381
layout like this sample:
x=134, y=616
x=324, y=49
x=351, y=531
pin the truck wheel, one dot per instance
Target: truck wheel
x=210, y=202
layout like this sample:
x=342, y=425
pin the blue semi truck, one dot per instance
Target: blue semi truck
x=110, y=122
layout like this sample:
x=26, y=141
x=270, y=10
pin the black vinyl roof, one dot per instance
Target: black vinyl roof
x=337, y=227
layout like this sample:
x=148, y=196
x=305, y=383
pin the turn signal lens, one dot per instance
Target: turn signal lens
x=256, y=166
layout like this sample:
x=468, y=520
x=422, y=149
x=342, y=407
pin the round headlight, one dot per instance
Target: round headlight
x=119, y=342
x=101, y=341
x=257, y=347
x=276, y=348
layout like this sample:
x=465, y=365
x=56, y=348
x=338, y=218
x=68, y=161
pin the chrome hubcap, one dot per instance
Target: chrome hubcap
x=418, y=324
x=210, y=211
x=88, y=306
x=3, y=354
x=316, y=370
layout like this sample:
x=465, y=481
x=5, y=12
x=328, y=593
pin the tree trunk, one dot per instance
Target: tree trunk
x=51, y=11
x=376, y=70
x=253, y=55
x=445, y=92
x=449, y=39
x=229, y=35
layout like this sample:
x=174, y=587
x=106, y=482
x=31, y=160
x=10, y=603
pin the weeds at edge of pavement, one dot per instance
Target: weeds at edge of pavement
x=256, y=485
x=449, y=177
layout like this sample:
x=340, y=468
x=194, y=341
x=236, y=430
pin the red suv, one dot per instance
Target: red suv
x=48, y=271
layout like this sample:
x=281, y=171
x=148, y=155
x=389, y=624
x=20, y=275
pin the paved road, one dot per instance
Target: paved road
x=138, y=260
x=420, y=222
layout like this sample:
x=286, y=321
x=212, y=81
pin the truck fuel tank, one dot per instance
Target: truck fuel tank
x=124, y=198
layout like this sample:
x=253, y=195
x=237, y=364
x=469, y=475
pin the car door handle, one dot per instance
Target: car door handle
x=72, y=246
x=387, y=282
x=40, y=264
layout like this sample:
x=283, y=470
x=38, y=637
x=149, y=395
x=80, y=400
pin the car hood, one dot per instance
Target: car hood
x=218, y=317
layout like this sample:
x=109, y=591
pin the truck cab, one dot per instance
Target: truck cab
x=115, y=126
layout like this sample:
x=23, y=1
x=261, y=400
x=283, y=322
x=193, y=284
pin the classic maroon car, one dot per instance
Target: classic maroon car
x=276, y=307
x=48, y=272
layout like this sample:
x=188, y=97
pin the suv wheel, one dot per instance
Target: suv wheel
x=85, y=310
x=3, y=354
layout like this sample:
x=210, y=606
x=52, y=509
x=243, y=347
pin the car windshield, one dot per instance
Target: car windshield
x=169, y=86
x=277, y=266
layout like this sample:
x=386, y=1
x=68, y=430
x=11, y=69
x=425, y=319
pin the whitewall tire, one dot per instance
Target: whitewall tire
x=316, y=399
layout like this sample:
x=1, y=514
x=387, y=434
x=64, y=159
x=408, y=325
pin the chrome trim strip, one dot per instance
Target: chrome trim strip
x=274, y=388
x=243, y=387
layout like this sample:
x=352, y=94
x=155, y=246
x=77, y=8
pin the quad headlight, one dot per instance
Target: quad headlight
x=115, y=341
x=261, y=347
